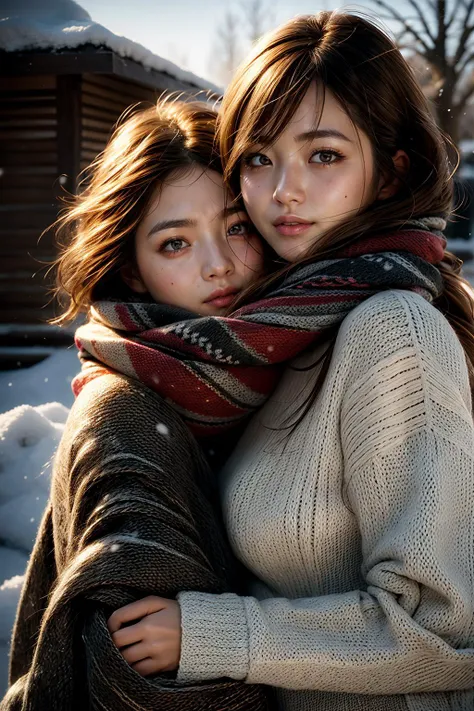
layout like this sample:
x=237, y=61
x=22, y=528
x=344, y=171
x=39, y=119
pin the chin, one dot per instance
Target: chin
x=293, y=253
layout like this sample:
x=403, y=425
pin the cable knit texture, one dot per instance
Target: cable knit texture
x=360, y=523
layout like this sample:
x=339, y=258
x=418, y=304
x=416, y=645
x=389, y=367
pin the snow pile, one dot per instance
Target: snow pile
x=63, y=24
x=28, y=440
x=29, y=436
x=44, y=382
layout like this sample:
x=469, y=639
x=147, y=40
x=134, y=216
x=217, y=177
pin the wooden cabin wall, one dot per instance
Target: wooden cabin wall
x=104, y=98
x=49, y=126
x=28, y=191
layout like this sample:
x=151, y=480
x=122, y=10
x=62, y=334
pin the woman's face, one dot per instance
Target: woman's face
x=312, y=178
x=192, y=250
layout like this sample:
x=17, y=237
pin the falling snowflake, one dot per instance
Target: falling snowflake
x=162, y=429
x=62, y=179
x=114, y=547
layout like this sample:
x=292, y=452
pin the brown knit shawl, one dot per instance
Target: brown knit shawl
x=131, y=514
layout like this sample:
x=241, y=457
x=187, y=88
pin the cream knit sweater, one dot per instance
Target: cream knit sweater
x=361, y=526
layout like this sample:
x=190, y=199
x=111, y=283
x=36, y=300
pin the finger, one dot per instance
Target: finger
x=134, y=611
x=128, y=635
x=135, y=653
x=146, y=667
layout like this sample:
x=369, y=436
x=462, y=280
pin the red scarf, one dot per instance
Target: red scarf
x=218, y=370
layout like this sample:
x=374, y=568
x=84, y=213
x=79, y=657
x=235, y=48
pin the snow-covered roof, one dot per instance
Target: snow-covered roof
x=63, y=24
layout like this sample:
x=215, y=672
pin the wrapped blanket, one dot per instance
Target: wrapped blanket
x=131, y=514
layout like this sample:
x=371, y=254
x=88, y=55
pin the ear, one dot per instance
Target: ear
x=389, y=186
x=131, y=276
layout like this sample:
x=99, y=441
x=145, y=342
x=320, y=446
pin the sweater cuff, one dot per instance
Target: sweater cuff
x=214, y=637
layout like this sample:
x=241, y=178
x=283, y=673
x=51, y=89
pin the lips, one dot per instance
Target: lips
x=290, y=225
x=221, y=298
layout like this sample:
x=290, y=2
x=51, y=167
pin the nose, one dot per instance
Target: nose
x=289, y=187
x=218, y=262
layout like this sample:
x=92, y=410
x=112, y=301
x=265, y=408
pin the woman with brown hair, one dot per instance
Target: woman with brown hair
x=152, y=239
x=351, y=495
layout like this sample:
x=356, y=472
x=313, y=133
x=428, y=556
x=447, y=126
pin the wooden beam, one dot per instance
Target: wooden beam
x=62, y=62
x=92, y=60
x=69, y=128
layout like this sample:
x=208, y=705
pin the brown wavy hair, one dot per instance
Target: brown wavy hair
x=96, y=231
x=356, y=60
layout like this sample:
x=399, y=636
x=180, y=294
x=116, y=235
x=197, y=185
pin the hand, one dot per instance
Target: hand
x=154, y=643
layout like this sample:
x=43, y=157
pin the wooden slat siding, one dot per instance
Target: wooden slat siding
x=28, y=191
x=107, y=81
x=12, y=196
x=104, y=99
x=25, y=239
x=19, y=83
x=69, y=88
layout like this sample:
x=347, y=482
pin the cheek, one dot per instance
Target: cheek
x=337, y=189
x=161, y=279
x=253, y=194
x=248, y=256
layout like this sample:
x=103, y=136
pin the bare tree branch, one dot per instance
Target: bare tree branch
x=225, y=54
x=257, y=15
x=465, y=34
x=456, y=8
x=443, y=37
x=460, y=70
x=396, y=16
x=466, y=95
x=422, y=18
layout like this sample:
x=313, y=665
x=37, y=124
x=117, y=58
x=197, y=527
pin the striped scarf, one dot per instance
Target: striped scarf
x=216, y=371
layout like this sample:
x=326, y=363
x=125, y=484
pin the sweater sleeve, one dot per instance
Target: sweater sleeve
x=408, y=443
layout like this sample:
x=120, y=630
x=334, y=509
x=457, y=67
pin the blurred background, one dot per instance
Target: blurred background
x=67, y=72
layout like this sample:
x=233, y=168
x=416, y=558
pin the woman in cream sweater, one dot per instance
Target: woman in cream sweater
x=350, y=497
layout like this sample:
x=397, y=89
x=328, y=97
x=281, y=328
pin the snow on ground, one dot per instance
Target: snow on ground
x=63, y=24
x=29, y=434
x=47, y=381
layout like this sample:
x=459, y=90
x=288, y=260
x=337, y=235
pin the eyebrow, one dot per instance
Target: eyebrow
x=169, y=224
x=321, y=133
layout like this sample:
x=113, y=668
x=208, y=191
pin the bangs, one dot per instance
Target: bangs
x=272, y=96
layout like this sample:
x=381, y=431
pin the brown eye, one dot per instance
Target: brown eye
x=325, y=157
x=257, y=160
x=173, y=245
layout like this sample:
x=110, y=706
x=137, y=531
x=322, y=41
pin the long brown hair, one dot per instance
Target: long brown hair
x=362, y=67
x=96, y=231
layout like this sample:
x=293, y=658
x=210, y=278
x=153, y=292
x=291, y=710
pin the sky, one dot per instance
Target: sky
x=186, y=31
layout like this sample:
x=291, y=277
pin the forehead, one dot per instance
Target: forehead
x=192, y=192
x=319, y=109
